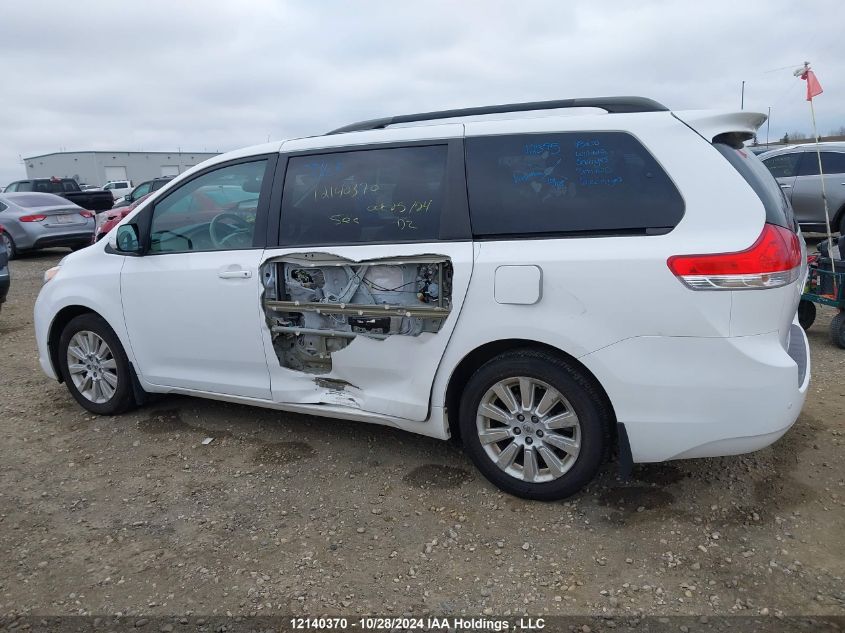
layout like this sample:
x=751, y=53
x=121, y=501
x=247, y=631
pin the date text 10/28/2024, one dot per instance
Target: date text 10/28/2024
x=420, y=624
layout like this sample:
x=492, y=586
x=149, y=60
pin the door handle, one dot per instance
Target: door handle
x=234, y=274
x=790, y=186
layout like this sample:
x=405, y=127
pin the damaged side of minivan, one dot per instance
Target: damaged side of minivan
x=344, y=327
x=317, y=304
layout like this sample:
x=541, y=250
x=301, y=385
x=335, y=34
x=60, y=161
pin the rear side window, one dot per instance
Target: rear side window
x=832, y=163
x=591, y=182
x=375, y=195
x=762, y=182
x=783, y=165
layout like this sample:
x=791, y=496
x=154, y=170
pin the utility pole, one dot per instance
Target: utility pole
x=768, y=125
x=742, y=97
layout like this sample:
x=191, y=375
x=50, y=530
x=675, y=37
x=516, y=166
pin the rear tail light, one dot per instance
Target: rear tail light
x=774, y=260
x=86, y=214
x=33, y=218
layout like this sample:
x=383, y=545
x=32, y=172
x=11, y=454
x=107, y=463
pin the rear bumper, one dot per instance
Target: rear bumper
x=65, y=239
x=681, y=397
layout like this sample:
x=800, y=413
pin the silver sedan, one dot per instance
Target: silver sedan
x=43, y=220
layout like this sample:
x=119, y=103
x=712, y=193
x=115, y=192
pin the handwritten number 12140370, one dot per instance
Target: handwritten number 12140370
x=347, y=190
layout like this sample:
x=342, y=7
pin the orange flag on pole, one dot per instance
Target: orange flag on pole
x=814, y=88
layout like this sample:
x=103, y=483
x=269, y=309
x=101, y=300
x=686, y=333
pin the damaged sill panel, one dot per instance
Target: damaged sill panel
x=317, y=305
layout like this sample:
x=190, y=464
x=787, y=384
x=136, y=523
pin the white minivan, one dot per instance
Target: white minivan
x=551, y=290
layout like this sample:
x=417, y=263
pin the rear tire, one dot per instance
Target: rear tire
x=548, y=430
x=837, y=330
x=94, y=366
x=11, y=250
x=806, y=313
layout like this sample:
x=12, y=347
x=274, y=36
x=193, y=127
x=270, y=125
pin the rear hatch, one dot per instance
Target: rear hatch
x=767, y=278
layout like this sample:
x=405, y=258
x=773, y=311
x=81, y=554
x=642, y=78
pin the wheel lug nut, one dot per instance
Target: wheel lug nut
x=539, y=433
x=520, y=417
x=534, y=418
x=528, y=440
x=517, y=430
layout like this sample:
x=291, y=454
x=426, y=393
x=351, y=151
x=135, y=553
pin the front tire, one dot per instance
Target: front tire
x=94, y=366
x=534, y=425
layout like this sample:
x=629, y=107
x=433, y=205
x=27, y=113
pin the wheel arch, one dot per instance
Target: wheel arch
x=62, y=318
x=483, y=353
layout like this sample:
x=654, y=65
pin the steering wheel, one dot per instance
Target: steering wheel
x=233, y=225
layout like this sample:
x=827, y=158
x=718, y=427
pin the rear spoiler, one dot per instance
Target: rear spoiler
x=729, y=127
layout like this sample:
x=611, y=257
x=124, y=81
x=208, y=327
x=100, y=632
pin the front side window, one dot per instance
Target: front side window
x=215, y=211
x=783, y=165
x=141, y=190
x=376, y=195
x=563, y=183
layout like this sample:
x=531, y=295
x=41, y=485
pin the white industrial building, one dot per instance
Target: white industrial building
x=97, y=168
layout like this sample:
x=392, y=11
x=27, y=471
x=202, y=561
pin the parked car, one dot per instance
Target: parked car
x=43, y=220
x=66, y=188
x=142, y=190
x=547, y=289
x=796, y=169
x=118, y=188
x=107, y=220
x=5, y=280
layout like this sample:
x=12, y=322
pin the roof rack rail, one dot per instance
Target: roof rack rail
x=613, y=105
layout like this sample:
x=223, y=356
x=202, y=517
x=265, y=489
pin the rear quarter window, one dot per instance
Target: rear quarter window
x=761, y=180
x=568, y=183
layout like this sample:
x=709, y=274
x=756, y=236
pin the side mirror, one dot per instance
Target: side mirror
x=127, y=239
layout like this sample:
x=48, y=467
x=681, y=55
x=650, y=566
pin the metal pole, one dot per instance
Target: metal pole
x=824, y=197
x=742, y=97
x=768, y=125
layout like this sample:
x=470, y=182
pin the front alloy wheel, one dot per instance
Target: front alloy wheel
x=92, y=367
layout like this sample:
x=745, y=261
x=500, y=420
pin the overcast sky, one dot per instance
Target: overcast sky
x=209, y=75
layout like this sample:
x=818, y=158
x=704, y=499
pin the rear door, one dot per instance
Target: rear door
x=807, y=191
x=373, y=262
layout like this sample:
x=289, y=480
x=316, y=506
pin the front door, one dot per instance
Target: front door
x=192, y=301
x=362, y=296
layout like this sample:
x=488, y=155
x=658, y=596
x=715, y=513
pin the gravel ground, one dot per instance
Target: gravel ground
x=290, y=514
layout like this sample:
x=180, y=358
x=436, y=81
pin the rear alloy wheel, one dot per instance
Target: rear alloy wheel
x=9, y=243
x=94, y=366
x=534, y=425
